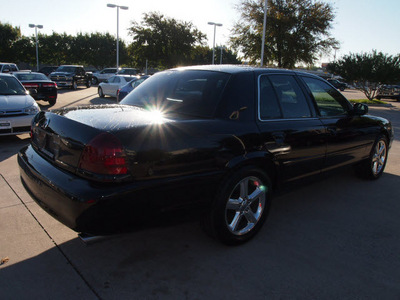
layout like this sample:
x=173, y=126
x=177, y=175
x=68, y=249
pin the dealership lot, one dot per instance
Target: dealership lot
x=344, y=245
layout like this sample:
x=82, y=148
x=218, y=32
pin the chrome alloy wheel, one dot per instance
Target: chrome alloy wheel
x=245, y=206
x=379, y=157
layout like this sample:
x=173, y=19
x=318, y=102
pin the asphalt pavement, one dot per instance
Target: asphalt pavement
x=337, y=238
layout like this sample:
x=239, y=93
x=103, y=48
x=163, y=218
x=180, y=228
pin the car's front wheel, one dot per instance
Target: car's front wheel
x=95, y=80
x=74, y=85
x=241, y=206
x=88, y=83
x=373, y=167
x=100, y=91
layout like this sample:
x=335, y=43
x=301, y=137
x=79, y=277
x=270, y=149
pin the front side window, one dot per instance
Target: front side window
x=329, y=101
x=282, y=97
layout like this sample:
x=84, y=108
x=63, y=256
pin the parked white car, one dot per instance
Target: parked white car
x=17, y=107
x=103, y=75
x=112, y=85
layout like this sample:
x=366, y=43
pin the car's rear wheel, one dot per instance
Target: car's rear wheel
x=100, y=91
x=241, y=206
x=52, y=101
x=373, y=167
x=95, y=80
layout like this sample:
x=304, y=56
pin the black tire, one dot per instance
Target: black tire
x=240, y=207
x=52, y=101
x=378, y=98
x=95, y=80
x=100, y=92
x=373, y=167
x=88, y=83
x=74, y=85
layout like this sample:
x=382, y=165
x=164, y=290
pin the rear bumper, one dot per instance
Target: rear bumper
x=101, y=209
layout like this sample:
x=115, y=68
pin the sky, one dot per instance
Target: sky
x=359, y=26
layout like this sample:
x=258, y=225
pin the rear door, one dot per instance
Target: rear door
x=289, y=127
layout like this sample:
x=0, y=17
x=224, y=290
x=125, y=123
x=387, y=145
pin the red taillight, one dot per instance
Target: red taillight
x=51, y=84
x=31, y=85
x=104, y=155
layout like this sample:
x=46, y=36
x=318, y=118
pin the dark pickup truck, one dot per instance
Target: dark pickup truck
x=71, y=76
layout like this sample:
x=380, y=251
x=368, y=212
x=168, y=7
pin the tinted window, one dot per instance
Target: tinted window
x=329, y=101
x=189, y=92
x=282, y=97
x=11, y=86
x=24, y=77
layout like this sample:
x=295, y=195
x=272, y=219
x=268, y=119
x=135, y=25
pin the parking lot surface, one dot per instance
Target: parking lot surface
x=337, y=238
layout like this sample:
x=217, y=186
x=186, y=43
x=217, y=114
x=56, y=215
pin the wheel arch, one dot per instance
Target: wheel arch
x=262, y=160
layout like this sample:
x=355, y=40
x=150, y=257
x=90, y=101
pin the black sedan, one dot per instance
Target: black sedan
x=39, y=86
x=207, y=141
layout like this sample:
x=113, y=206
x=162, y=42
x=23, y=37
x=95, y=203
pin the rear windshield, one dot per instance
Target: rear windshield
x=11, y=86
x=190, y=92
x=25, y=77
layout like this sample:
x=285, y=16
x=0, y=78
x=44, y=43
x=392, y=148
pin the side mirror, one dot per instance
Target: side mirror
x=360, y=109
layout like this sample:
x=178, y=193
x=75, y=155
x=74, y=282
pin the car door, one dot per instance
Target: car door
x=289, y=128
x=114, y=86
x=348, y=136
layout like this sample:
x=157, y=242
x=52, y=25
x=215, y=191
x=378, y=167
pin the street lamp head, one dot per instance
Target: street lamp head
x=111, y=5
x=124, y=7
x=39, y=26
x=32, y=25
x=216, y=24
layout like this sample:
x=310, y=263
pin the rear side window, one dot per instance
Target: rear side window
x=282, y=97
x=191, y=92
x=329, y=101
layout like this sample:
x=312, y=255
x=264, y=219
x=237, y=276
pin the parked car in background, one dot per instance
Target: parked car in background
x=207, y=141
x=103, y=75
x=8, y=67
x=128, y=71
x=17, y=107
x=48, y=70
x=130, y=86
x=338, y=84
x=111, y=86
x=39, y=86
x=389, y=92
x=71, y=76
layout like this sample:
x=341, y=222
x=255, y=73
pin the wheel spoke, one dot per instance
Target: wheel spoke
x=244, y=188
x=250, y=216
x=236, y=219
x=234, y=204
x=256, y=195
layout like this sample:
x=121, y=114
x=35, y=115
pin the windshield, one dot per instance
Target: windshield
x=191, y=92
x=31, y=76
x=11, y=86
x=66, y=69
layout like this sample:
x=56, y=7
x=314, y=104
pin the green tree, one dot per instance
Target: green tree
x=368, y=70
x=164, y=42
x=8, y=36
x=297, y=31
x=202, y=55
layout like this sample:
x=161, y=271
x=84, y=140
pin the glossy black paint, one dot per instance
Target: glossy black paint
x=38, y=85
x=176, y=162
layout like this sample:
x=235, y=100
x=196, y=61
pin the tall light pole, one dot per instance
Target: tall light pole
x=118, y=7
x=263, y=37
x=37, y=43
x=215, y=26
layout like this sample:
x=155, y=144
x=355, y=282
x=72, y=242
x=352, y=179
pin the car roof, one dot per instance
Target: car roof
x=234, y=69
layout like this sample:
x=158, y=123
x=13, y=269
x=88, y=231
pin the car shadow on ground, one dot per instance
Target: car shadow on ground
x=10, y=145
x=336, y=238
x=104, y=100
